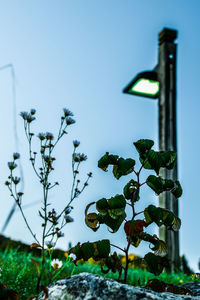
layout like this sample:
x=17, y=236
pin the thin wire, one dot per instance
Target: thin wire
x=13, y=77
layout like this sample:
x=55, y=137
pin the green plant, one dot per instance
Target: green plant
x=42, y=164
x=23, y=280
x=111, y=212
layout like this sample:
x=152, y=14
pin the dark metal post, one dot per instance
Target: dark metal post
x=167, y=132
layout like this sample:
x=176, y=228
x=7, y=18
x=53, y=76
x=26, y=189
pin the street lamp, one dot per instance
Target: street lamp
x=161, y=83
x=145, y=84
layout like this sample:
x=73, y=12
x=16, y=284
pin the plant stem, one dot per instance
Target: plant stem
x=127, y=262
x=118, y=247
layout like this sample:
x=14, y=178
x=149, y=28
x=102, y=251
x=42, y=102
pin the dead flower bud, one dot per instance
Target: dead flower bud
x=41, y=136
x=24, y=115
x=89, y=174
x=32, y=111
x=7, y=183
x=70, y=121
x=30, y=118
x=60, y=234
x=49, y=136
x=67, y=112
x=16, y=155
x=50, y=244
x=68, y=210
x=83, y=157
x=68, y=219
x=76, y=143
x=16, y=180
x=12, y=165
x=20, y=194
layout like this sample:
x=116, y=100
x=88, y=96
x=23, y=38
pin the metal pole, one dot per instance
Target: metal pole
x=167, y=133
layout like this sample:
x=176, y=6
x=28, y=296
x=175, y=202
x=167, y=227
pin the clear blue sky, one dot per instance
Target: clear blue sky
x=80, y=54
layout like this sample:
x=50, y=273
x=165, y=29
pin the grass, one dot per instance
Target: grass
x=19, y=274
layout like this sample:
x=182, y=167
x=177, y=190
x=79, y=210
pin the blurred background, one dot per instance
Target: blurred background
x=80, y=55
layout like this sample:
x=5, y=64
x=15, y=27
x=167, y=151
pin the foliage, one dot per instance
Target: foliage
x=112, y=211
x=23, y=280
x=43, y=166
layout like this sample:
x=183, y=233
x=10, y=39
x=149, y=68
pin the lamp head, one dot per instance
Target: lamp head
x=145, y=84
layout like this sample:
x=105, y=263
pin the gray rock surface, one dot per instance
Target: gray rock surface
x=86, y=286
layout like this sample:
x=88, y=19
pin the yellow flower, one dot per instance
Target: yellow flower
x=66, y=254
x=180, y=281
x=131, y=257
x=123, y=259
x=80, y=261
x=91, y=261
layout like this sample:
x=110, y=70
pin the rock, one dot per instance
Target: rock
x=194, y=286
x=86, y=286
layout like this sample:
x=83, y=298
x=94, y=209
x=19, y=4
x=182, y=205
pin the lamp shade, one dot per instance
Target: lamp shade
x=145, y=84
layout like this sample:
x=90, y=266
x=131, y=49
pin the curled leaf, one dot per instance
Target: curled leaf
x=35, y=245
x=177, y=191
x=91, y=219
x=162, y=216
x=160, y=248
